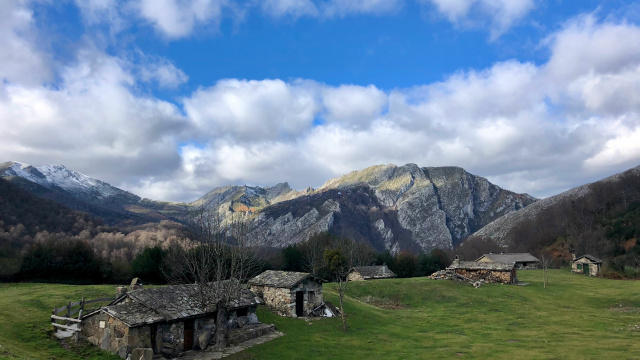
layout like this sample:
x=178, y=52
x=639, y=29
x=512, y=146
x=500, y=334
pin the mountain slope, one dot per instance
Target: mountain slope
x=393, y=207
x=81, y=192
x=560, y=213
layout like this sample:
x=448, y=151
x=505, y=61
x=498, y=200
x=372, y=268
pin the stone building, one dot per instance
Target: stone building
x=523, y=261
x=586, y=264
x=360, y=273
x=168, y=320
x=488, y=271
x=288, y=293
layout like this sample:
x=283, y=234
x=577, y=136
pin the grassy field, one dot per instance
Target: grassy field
x=576, y=317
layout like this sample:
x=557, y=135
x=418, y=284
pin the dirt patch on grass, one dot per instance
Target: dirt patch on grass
x=624, y=309
x=385, y=303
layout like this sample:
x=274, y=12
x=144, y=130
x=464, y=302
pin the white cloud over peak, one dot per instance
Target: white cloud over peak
x=253, y=110
x=499, y=15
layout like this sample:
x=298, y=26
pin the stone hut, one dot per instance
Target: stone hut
x=167, y=320
x=288, y=293
x=586, y=264
x=523, y=261
x=504, y=273
x=360, y=273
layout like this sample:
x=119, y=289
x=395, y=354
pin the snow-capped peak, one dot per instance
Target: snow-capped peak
x=74, y=181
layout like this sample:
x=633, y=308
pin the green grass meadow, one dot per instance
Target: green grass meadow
x=576, y=317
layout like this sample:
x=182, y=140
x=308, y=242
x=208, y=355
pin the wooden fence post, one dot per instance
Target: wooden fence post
x=54, y=320
x=80, y=318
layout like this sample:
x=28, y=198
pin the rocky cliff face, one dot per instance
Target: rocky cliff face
x=393, y=207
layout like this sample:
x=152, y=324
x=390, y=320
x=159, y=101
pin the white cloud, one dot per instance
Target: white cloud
x=254, y=110
x=291, y=8
x=499, y=15
x=21, y=61
x=353, y=104
x=164, y=73
x=530, y=128
x=178, y=18
x=342, y=8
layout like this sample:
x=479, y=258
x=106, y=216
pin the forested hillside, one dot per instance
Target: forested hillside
x=602, y=219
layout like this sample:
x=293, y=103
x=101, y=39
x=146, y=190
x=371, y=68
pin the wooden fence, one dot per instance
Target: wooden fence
x=64, y=320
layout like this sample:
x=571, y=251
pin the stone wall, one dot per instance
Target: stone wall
x=283, y=300
x=594, y=269
x=277, y=299
x=487, y=275
x=171, y=338
x=354, y=276
x=113, y=335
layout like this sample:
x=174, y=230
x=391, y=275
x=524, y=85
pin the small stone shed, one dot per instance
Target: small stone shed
x=167, y=320
x=288, y=293
x=504, y=273
x=360, y=273
x=523, y=261
x=587, y=265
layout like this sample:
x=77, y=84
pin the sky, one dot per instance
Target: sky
x=171, y=98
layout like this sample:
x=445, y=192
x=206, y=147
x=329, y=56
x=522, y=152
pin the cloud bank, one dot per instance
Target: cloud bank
x=536, y=128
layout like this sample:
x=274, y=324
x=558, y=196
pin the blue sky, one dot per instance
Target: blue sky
x=170, y=98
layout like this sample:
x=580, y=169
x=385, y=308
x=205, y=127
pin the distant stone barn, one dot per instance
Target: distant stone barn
x=586, y=264
x=167, y=320
x=294, y=294
x=523, y=261
x=504, y=273
x=360, y=273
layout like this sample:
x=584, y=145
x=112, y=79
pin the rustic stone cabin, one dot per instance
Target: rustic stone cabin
x=167, y=320
x=523, y=261
x=360, y=273
x=586, y=264
x=488, y=271
x=288, y=293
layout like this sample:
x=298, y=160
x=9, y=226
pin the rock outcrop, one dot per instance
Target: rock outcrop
x=393, y=207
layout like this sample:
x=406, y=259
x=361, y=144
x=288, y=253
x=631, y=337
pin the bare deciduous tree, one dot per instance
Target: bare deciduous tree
x=217, y=261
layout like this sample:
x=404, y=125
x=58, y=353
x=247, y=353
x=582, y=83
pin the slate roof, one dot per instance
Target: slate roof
x=374, y=272
x=281, y=279
x=590, y=257
x=475, y=265
x=168, y=303
x=510, y=257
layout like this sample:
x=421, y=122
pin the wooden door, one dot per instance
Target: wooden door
x=585, y=267
x=299, y=303
x=188, y=335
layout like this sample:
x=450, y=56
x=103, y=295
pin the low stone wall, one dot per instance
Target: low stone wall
x=487, y=275
x=113, y=335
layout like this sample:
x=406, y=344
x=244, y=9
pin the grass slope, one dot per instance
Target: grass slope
x=576, y=317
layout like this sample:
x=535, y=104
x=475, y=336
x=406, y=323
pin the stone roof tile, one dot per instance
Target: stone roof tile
x=374, y=272
x=281, y=279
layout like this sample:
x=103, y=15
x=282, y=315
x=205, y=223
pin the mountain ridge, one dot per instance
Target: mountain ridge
x=393, y=207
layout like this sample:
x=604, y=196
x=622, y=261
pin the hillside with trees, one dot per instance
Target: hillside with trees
x=601, y=218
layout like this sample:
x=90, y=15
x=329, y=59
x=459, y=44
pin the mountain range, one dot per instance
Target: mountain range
x=393, y=207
